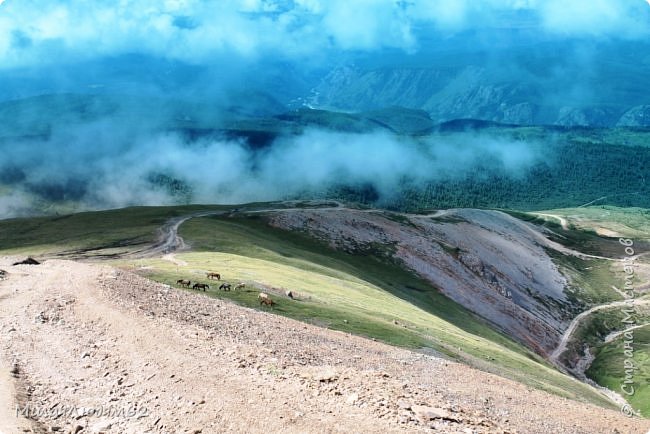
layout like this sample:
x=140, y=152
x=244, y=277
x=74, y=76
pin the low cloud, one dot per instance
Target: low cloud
x=89, y=167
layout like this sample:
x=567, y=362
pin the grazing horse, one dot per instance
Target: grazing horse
x=212, y=276
x=225, y=286
x=240, y=286
x=265, y=299
x=202, y=286
x=185, y=283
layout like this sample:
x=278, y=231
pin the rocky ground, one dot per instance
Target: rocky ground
x=79, y=338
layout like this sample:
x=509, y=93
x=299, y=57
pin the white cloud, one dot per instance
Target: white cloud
x=117, y=168
x=195, y=30
x=626, y=18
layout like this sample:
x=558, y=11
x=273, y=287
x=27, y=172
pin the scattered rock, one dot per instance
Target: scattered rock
x=324, y=374
x=352, y=399
x=404, y=418
x=28, y=261
x=426, y=413
x=101, y=426
x=403, y=404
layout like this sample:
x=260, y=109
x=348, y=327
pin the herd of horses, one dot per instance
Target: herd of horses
x=263, y=298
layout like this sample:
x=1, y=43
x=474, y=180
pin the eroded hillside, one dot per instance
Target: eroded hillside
x=488, y=261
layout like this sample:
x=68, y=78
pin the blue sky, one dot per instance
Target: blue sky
x=35, y=32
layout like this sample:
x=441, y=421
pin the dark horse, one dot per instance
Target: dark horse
x=225, y=286
x=202, y=286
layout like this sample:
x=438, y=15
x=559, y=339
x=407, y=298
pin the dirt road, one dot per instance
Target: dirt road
x=91, y=337
x=582, y=365
x=613, y=335
x=168, y=238
x=563, y=221
x=568, y=333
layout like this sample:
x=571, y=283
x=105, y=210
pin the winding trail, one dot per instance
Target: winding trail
x=563, y=222
x=613, y=335
x=568, y=333
x=593, y=201
x=544, y=241
x=583, y=364
x=635, y=193
x=168, y=240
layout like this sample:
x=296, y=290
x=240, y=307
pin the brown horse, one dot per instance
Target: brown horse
x=185, y=283
x=212, y=276
x=265, y=299
x=202, y=286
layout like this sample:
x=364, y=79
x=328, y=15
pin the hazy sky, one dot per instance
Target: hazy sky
x=34, y=32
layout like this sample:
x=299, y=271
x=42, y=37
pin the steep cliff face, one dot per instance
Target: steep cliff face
x=474, y=94
x=588, y=116
x=480, y=92
x=349, y=88
x=638, y=116
x=491, y=263
x=446, y=95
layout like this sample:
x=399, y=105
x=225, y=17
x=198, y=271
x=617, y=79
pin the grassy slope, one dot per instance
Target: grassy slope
x=608, y=368
x=593, y=279
x=629, y=222
x=596, y=327
x=359, y=294
x=108, y=232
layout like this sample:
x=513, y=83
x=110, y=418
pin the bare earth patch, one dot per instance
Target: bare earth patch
x=89, y=337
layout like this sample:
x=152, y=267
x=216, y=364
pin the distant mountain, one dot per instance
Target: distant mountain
x=42, y=114
x=636, y=117
x=253, y=115
x=566, y=83
x=511, y=77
